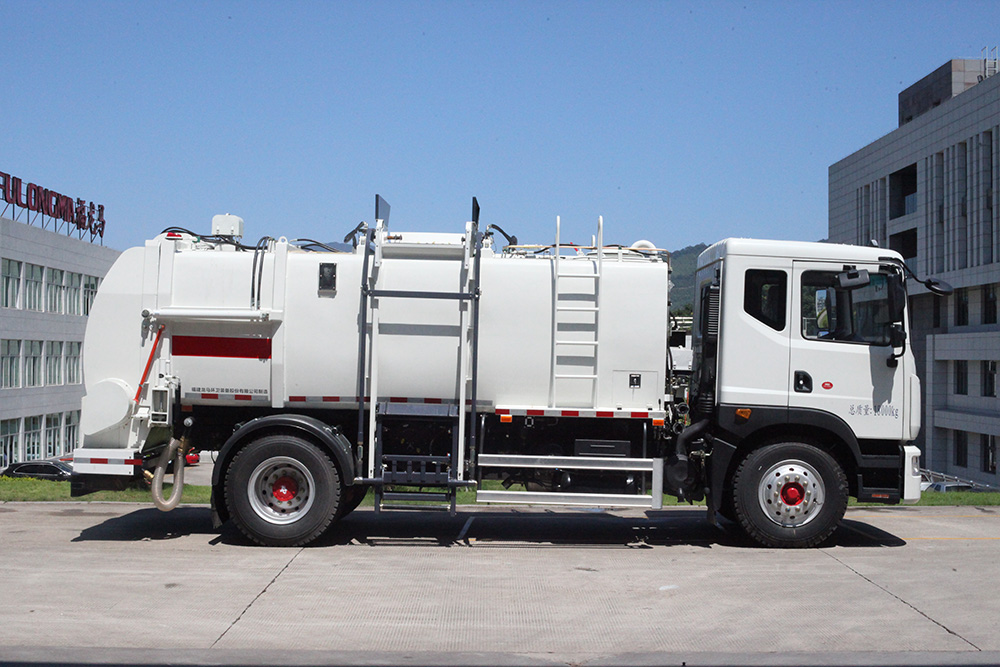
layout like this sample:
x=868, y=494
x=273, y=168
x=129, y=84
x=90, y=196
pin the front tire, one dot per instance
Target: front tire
x=789, y=494
x=282, y=490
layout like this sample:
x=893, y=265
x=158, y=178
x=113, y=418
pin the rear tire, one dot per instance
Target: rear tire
x=789, y=494
x=352, y=497
x=282, y=490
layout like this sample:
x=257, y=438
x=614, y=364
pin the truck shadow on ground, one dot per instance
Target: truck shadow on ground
x=500, y=528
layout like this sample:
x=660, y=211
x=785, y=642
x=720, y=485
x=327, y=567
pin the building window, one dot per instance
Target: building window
x=32, y=438
x=55, y=291
x=33, y=287
x=903, y=191
x=10, y=364
x=74, y=293
x=989, y=384
x=53, y=434
x=962, y=377
x=9, y=435
x=11, y=283
x=961, y=449
x=89, y=292
x=73, y=362
x=71, y=430
x=33, y=363
x=990, y=304
x=989, y=447
x=936, y=322
x=905, y=243
x=53, y=362
x=961, y=307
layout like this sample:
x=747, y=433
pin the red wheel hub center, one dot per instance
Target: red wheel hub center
x=792, y=494
x=284, y=489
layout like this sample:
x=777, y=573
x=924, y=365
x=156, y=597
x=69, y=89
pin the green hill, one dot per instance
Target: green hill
x=682, y=265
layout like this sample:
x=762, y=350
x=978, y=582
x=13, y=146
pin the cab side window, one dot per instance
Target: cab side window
x=765, y=297
x=857, y=316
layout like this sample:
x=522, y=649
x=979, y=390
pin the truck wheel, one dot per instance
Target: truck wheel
x=282, y=490
x=789, y=494
x=353, y=495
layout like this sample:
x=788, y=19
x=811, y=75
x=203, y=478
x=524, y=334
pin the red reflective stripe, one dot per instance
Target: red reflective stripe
x=243, y=397
x=331, y=399
x=98, y=460
x=209, y=395
x=605, y=414
x=503, y=411
x=397, y=399
x=133, y=462
x=217, y=346
x=570, y=413
x=639, y=415
x=297, y=399
x=536, y=413
x=434, y=400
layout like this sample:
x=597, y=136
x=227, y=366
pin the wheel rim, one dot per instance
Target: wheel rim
x=281, y=490
x=791, y=493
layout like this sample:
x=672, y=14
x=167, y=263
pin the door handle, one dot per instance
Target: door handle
x=803, y=382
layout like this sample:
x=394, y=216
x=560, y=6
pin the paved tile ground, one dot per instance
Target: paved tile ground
x=127, y=583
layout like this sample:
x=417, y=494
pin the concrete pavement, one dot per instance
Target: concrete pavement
x=118, y=583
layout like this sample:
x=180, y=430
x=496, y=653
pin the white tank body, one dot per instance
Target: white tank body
x=291, y=344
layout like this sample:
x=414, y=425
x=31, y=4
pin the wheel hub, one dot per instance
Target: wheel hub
x=284, y=489
x=281, y=490
x=791, y=493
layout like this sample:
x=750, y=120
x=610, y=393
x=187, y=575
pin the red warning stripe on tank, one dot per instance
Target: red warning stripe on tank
x=220, y=346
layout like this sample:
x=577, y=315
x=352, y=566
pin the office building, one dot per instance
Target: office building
x=51, y=269
x=929, y=189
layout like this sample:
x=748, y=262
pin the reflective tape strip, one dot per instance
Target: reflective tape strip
x=103, y=461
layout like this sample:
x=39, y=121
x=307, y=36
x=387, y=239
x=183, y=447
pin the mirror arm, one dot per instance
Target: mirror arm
x=893, y=359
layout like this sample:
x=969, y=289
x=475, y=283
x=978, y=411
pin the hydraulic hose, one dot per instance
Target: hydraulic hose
x=688, y=434
x=175, y=450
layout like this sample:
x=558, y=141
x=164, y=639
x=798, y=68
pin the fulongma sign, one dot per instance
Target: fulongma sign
x=84, y=215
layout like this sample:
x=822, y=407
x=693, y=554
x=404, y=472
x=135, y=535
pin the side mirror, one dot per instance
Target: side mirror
x=897, y=298
x=852, y=279
x=897, y=338
x=939, y=287
x=897, y=335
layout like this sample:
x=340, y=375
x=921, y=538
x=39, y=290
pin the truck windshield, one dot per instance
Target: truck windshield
x=860, y=315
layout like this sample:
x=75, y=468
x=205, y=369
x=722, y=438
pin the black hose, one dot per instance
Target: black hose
x=688, y=434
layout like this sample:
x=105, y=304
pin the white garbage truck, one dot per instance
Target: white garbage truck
x=419, y=364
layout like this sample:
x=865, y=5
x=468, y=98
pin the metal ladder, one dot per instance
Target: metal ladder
x=441, y=472
x=563, y=311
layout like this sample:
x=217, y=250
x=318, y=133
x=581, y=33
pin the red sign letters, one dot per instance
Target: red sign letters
x=85, y=215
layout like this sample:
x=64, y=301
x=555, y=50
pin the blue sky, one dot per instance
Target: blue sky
x=679, y=122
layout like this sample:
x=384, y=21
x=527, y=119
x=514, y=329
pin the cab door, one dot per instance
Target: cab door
x=841, y=354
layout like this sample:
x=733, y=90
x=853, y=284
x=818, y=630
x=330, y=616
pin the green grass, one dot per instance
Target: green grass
x=34, y=490
x=23, y=489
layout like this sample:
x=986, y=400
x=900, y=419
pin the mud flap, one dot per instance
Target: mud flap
x=717, y=464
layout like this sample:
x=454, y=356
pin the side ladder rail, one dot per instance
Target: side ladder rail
x=374, y=444
x=595, y=309
x=467, y=377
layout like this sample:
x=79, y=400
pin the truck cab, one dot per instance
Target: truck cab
x=803, y=380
